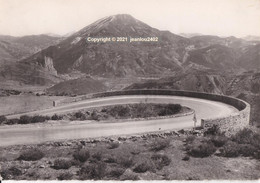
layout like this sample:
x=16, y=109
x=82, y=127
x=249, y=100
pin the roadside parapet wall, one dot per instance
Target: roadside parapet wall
x=230, y=124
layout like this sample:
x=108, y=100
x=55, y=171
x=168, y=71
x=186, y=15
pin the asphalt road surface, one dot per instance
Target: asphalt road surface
x=34, y=133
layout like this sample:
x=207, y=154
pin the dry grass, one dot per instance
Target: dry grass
x=132, y=160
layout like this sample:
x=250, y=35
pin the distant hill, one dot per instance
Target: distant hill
x=215, y=56
x=17, y=48
x=251, y=38
x=78, y=86
x=191, y=80
x=23, y=74
x=250, y=59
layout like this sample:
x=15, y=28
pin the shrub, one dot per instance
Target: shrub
x=218, y=140
x=247, y=150
x=186, y=158
x=110, y=159
x=129, y=176
x=190, y=139
x=113, y=145
x=93, y=171
x=169, y=109
x=230, y=149
x=94, y=116
x=97, y=156
x=2, y=119
x=144, y=165
x=12, y=121
x=119, y=111
x=247, y=136
x=81, y=155
x=62, y=164
x=10, y=173
x=201, y=149
x=116, y=172
x=56, y=117
x=25, y=119
x=214, y=130
x=159, y=144
x=65, y=176
x=125, y=161
x=31, y=155
x=38, y=118
x=80, y=115
x=160, y=160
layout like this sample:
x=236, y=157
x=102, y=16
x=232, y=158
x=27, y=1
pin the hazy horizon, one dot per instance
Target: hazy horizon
x=223, y=18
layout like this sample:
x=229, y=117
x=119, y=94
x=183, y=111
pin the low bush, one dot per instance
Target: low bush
x=247, y=136
x=219, y=140
x=56, y=117
x=119, y=111
x=186, y=158
x=2, y=119
x=82, y=155
x=62, y=164
x=125, y=161
x=97, y=156
x=144, y=165
x=11, y=173
x=12, y=121
x=214, y=130
x=113, y=145
x=110, y=159
x=160, y=160
x=80, y=115
x=169, y=109
x=38, y=119
x=116, y=172
x=24, y=119
x=93, y=171
x=247, y=150
x=201, y=149
x=94, y=116
x=31, y=155
x=230, y=149
x=129, y=176
x=159, y=144
x=65, y=176
x=190, y=139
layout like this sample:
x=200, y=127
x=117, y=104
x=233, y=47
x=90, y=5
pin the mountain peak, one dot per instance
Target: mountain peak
x=123, y=17
x=115, y=24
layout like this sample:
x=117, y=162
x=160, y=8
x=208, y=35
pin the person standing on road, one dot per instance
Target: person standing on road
x=195, y=120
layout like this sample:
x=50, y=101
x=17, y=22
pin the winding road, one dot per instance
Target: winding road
x=38, y=133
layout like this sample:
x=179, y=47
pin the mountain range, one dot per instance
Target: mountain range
x=46, y=60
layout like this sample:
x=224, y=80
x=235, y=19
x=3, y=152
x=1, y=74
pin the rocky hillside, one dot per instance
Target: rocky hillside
x=191, y=80
x=78, y=86
x=17, y=48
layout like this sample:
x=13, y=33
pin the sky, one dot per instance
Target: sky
x=209, y=17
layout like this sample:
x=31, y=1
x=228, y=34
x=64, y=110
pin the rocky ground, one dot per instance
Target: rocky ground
x=153, y=156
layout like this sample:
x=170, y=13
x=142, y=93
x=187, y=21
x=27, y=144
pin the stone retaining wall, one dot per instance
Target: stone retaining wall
x=229, y=124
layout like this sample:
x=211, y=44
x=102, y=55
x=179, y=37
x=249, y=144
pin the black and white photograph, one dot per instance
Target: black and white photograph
x=129, y=90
